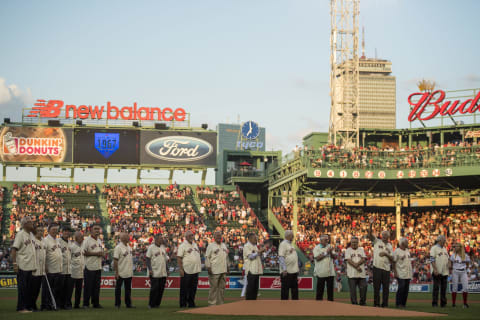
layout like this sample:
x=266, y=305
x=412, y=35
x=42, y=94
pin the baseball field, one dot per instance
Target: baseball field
x=169, y=308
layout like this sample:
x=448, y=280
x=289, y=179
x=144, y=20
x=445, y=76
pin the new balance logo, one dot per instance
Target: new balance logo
x=46, y=109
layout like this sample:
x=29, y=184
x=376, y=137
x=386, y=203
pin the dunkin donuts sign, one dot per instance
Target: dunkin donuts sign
x=34, y=144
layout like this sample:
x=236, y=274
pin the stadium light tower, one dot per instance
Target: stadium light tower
x=344, y=73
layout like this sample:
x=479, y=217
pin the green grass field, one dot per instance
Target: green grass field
x=417, y=302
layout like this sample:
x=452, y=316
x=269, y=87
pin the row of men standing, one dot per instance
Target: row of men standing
x=57, y=267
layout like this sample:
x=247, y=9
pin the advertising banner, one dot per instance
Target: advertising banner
x=473, y=287
x=171, y=283
x=36, y=144
x=414, y=287
x=106, y=146
x=274, y=283
x=178, y=148
x=8, y=282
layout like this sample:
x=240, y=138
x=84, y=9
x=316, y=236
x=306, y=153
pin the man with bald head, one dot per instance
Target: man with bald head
x=382, y=260
x=24, y=263
x=439, y=268
x=216, y=261
x=288, y=267
x=188, y=260
x=78, y=265
x=123, y=267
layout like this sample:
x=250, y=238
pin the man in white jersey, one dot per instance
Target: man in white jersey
x=356, y=258
x=439, y=267
x=24, y=263
x=189, y=264
x=93, y=251
x=288, y=267
x=402, y=271
x=157, y=264
x=216, y=262
x=252, y=265
x=39, y=274
x=78, y=266
x=66, y=274
x=123, y=266
x=459, y=264
x=53, y=268
x=382, y=260
x=324, y=254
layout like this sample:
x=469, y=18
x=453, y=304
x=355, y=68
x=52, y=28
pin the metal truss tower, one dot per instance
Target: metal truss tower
x=344, y=73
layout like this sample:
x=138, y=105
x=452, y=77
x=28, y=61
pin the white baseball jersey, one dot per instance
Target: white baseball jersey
x=458, y=264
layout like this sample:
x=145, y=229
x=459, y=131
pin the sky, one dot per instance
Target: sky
x=224, y=60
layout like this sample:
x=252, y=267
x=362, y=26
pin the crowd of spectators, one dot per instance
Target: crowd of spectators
x=419, y=226
x=371, y=157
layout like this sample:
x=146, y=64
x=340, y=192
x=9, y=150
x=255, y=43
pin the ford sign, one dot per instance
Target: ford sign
x=179, y=148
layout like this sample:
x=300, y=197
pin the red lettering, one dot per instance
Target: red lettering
x=83, y=112
x=67, y=110
x=179, y=114
x=122, y=113
x=111, y=108
x=447, y=108
x=96, y=112
x=143, y=114
x=169, y=110
x=159, y=113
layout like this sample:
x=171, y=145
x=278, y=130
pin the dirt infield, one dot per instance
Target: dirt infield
x=304, y=308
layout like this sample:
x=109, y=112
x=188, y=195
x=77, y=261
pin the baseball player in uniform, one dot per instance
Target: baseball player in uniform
x=439, y=267
x=157, y=264
x=39, y=273
x=78, y=266
x=324, y=270
x=66, y=275
x=123, y=266
x=356, y=258
x=253, y=266
x=459, y=263
x=188, y=258
x=216, y=262
x=53, y=268
x=288, y=267
x=93, y=252
x=402, y=271
x=24, y=263
x=382, y=260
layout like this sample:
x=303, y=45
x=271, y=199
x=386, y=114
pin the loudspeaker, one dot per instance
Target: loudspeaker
x=53, y=123
x=160, y=126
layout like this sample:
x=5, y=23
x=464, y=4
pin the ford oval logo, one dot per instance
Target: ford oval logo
x=179, y=148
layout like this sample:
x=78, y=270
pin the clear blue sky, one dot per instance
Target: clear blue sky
x=265, y=60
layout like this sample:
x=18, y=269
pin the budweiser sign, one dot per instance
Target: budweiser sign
x=428, y=105
x=53, y=109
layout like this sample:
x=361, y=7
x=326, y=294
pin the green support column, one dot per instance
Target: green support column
x=105, y=175
x=4, y=167
x=38, y=174
x=400, y=141
x=270, y=213
x=409, y=140
x=204, y=176
x=170, y=177
x=398, y=213
x=72, y=175
x=295, y=209
x=441, y=137
x=139, y=173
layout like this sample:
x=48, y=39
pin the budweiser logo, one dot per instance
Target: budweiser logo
x=421, y=101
